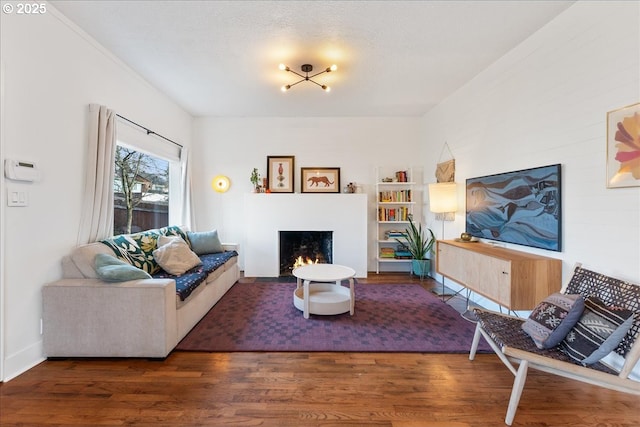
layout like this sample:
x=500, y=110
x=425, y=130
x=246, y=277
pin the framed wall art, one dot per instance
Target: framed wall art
x=280, y=171
x=320, y=180
x=623, y=147
x=522, y=207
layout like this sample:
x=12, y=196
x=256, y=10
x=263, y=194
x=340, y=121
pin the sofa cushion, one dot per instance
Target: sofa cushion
x=83, y=257
x=111, y=269
x=598, y=332
x=205, y=242
x=553, y=318
x=163, y=240
x=175, y=257
x=190, y=280
x=137, y=249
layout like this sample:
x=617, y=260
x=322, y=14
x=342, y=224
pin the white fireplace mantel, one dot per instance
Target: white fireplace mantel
x=267, y=214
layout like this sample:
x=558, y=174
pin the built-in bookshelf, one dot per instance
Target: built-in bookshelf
x=394, y=203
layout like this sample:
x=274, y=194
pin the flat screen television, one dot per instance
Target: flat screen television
x=521, y=207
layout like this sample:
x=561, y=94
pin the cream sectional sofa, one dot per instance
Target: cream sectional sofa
x=84, y=316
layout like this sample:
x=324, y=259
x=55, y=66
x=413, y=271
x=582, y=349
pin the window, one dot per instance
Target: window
x=146, y=182
x=140, y=190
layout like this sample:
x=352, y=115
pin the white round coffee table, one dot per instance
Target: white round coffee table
x=319, y=289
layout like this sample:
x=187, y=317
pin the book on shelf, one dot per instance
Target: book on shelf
x=401, y=176
x=402, y=255
x=401, y=213
x=395, y=196
x=387, y=253
x=394, y=234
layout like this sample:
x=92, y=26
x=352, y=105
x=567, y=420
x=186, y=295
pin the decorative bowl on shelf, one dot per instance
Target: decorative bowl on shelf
x=466, y=238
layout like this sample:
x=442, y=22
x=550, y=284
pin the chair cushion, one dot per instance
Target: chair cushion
x=111, y=269
x=598, y=332
x=553, y=318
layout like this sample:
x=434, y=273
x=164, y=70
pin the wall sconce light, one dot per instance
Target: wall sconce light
x=220, y=183
x=307, y=68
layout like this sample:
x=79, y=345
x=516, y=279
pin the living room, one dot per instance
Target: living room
x=543, y=102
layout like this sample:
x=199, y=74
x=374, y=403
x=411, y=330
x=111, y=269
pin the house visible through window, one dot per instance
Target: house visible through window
x=141, y=191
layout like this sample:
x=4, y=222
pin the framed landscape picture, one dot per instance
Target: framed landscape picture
x=623, y=149
x=320, y=180
x=280, y=174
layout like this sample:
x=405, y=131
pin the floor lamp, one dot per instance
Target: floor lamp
x=443, y=201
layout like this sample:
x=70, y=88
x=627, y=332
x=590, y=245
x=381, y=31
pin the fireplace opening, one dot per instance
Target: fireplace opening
x=308, y=246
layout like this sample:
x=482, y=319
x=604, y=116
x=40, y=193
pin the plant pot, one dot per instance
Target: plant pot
x=421, y=267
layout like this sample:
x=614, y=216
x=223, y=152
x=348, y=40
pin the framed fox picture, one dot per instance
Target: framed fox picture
x=320, y=180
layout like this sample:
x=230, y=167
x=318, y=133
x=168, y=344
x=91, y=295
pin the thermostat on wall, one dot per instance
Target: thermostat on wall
x=20, y=170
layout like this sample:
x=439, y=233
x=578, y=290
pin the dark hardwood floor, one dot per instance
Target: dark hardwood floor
x=303, y=389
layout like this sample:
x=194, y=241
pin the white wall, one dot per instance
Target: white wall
x=234, y=146
x=546, y=102
x=52, y=71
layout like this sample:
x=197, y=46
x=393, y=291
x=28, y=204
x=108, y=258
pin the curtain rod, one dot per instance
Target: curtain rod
x=149, y=131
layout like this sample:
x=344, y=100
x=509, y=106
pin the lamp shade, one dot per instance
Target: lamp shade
x=220, y=183
x=443, y=197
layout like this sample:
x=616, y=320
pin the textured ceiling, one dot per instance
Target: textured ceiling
x=395, y=58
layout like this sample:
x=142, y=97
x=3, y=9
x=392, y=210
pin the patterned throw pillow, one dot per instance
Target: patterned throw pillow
x=127, y=248
x=553, y=318
x=174, y=230
x=598, y=332
x=137, y=249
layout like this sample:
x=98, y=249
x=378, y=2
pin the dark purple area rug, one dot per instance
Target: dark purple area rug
x=387, y=318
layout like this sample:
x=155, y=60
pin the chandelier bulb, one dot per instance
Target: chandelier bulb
x=333, y=67
x=285, y=88
x=282, y=67
x=326, y=88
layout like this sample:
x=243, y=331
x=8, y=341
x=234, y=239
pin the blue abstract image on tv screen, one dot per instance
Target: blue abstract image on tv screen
x=521, y=207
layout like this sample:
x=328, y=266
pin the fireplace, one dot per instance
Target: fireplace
x=268, y=214
x=304, y=246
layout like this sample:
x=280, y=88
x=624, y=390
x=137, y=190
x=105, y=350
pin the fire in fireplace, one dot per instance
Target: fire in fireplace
x=306, y=247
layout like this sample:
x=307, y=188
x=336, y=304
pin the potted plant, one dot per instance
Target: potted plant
x=419, y=246
x=255, y=179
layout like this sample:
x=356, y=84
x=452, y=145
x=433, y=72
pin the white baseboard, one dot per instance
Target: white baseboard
x=20, y=362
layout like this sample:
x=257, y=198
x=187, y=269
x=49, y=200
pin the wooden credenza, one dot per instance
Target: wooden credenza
x=516, y=280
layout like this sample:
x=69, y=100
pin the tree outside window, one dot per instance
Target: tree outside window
x=141, y=191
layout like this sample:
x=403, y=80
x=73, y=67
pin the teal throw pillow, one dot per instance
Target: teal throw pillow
x=111, y=269
x=205, y=242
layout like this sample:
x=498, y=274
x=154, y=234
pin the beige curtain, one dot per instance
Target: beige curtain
x=97, y=209
x=187, y=218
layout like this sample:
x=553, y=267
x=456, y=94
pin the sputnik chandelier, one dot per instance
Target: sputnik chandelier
x=307, y=68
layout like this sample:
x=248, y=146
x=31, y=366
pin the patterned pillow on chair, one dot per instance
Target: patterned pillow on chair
x=598, y=332
x=553, y=318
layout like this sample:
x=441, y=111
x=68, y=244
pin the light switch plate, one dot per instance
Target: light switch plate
x=17, y=198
